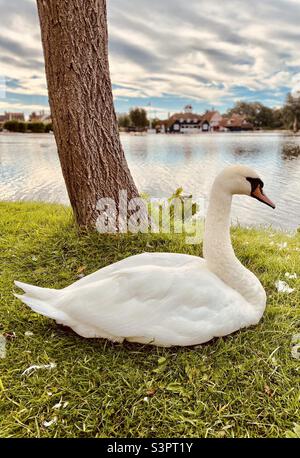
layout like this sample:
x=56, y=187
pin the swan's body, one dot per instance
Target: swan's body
x=163, y=299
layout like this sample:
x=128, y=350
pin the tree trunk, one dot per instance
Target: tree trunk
x=75, y=43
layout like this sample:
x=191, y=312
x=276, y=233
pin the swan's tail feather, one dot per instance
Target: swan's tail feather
x=36, y=292
x=44, y=309
x=39, y=300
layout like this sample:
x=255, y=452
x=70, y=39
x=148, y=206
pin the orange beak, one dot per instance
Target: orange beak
x=259, y=195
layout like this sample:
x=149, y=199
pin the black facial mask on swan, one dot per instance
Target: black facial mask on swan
x=257, y=191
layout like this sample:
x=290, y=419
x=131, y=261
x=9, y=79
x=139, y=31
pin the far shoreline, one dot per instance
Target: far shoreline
x=196, y=134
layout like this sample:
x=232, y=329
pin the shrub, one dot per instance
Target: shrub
x=48, y=127
x=15, y=126
x=36, y=127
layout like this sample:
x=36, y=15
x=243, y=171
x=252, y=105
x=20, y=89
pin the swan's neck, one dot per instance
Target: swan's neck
x=220, y=255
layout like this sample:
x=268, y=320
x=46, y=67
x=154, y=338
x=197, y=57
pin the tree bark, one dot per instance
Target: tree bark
x=75, y=43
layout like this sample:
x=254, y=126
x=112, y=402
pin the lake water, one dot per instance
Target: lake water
x=30, y=169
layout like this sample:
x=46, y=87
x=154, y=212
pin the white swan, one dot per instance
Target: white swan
x=167, y=299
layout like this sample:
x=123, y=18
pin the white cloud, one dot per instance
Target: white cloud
x=195, y=50
x=19, y=106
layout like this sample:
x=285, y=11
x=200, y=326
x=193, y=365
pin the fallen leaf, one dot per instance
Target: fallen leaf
x=283, y=287
x=151, y=392
x=293, y=276
x=28, y=334
x=268, y=391
x=57, y=406
x=81, y=269
x=296, y=352
x=10, y=335
x=47, y=424
x=296, y=339
x=282, y=245
x=296, y=347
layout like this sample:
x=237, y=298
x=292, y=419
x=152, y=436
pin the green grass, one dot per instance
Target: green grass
x=245, y=385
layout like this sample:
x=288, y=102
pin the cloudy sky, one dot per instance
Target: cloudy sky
x=168, y=53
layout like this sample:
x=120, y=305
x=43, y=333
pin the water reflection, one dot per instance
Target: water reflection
x=187, y=152
x=30, y=170
x=290, y=151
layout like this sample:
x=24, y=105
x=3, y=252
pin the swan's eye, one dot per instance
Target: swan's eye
x=255, y=183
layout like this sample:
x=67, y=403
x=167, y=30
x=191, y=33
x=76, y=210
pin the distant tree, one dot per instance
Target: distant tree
x=36, y=127
x=264, y=117
x=291, y=113
x=22, y=127
x=243, y=109
x=75, y=43
x=255, y=112
x=11, y=126
x=278, y=118
x=124, y=121
x=15, y=126
x=48, y=127
x=155, y=122
x=138, y=118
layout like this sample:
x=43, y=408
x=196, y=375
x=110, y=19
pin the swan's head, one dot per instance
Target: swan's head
x=240, y=179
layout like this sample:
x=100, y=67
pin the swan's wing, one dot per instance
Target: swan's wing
x=157, y=304
x=140, y=260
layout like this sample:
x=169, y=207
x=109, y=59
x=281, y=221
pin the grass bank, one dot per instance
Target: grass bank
x=245, y=385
